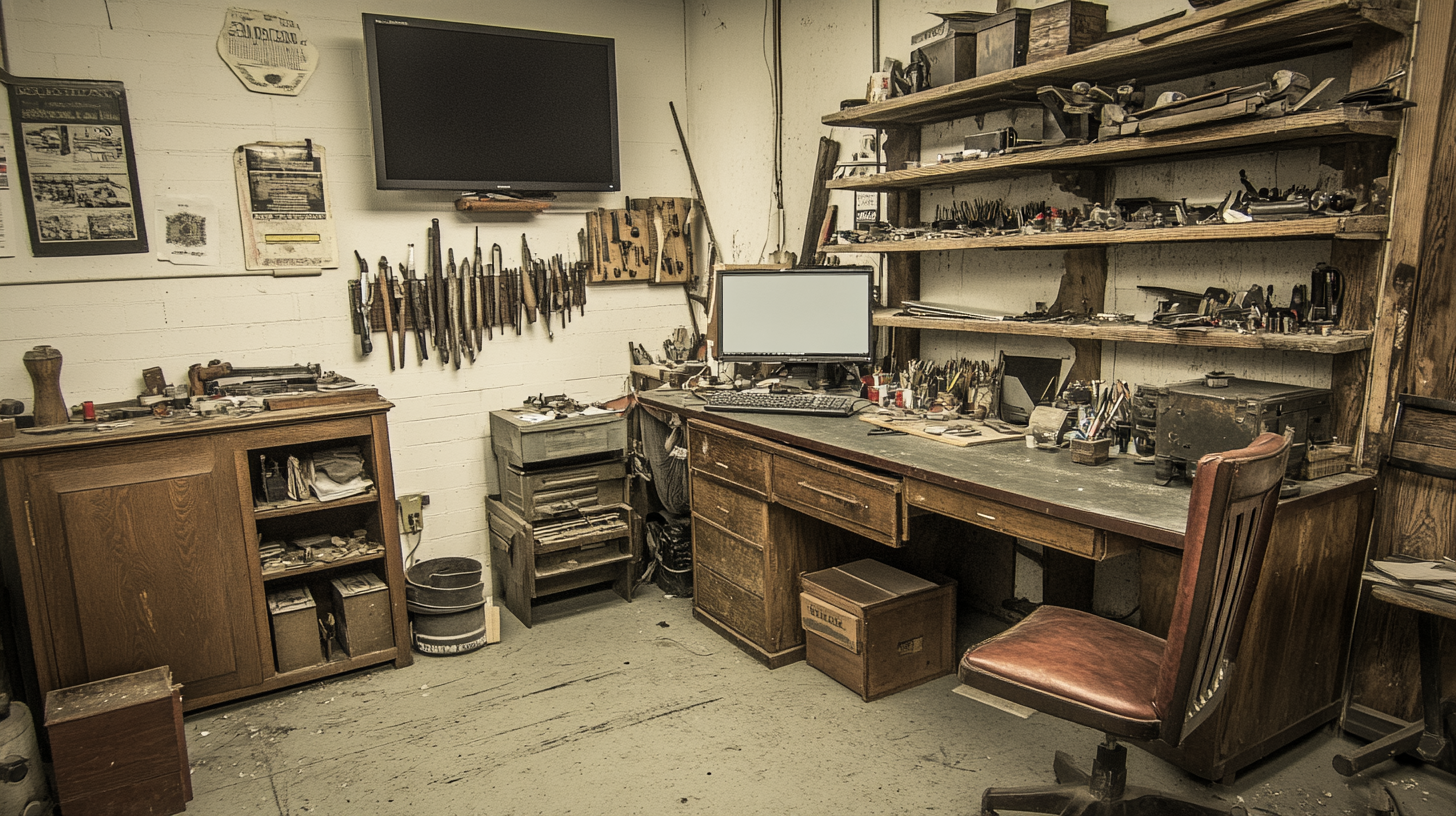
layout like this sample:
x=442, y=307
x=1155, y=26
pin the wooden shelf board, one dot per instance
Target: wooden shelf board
x=1137, y=333
x=310, y=505
x=1285, y=31
x=527, y=205
x=1337, y=124
x=582, y=564
x=1352, y=227
x=276, y=575
x=340, y=664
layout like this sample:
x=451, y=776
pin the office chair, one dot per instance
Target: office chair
x=1125, y=682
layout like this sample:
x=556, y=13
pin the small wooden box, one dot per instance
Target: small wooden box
x=296, y=641
x=1001, y=41
x=361, y=613
x=524, y=443
x=878, y=630
x=1090, y=452
x=1065, y=28
x=117, y=746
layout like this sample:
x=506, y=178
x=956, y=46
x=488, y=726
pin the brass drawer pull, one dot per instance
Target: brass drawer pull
x=831, y=494
x=984, y=516
x=723, y=465
x=722, y=509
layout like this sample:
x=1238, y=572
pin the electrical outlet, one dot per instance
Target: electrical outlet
x=412, y=512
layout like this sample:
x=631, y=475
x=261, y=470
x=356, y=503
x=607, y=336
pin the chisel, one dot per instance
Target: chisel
x=452, y=307
x=528, y=281
x=468, y=296
x=381, y=282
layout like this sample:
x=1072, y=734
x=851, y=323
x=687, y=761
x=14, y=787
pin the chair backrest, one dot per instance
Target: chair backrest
x=1230, y=514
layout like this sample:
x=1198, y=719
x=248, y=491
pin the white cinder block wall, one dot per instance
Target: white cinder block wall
x=188, y=114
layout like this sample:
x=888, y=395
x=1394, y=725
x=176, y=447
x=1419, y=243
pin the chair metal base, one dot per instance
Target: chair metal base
x=1104, y=792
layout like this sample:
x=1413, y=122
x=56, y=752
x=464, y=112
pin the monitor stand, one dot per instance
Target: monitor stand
x=813, y=376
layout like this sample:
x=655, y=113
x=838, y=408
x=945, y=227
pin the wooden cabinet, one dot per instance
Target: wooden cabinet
x=1355, y=142
x=139, y=548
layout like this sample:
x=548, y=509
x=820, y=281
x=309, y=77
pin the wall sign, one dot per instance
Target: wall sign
x=285, y=209
x=267, y=51
x=77, y=167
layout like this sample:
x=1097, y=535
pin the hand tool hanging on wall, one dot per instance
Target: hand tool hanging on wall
x=490, y=302
x=381, y=284
x=395, y=304
x=359, y=301
x=413, y=296
x=452, y=303
x=497, y=264
x=442, y=301
x=468, y=296
x=478, y=271
x=528, y=282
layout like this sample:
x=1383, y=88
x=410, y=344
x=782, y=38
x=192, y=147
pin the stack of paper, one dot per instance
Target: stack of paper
x=337, y=473
x=925, y=308
x=1436, y=579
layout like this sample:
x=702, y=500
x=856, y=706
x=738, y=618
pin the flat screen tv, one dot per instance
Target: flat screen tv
x=818, y=315
x=477, y=108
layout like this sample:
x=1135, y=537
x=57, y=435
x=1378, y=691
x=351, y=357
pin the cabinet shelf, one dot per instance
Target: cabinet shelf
x=585, y=562
x=1302, y=129
x=1344, y=343
x=1289, y=30
x=274, y=575
x=1349, y=228
x=310, y=505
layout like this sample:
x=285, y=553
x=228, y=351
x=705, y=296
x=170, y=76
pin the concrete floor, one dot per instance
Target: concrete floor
x=611, y=708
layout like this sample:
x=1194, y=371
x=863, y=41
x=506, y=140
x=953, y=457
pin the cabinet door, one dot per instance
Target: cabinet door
x=141, y=563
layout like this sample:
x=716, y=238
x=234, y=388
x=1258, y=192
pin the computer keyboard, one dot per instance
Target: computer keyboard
x=836, y=405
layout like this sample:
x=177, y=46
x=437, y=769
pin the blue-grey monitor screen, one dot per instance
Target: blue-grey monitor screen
x=796, y=315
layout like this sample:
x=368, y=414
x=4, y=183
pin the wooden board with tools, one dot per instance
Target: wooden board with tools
x=962, y=433
x=648, y=241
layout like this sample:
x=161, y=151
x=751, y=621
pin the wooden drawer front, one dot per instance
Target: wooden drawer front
x=561, y=491
x=866, y=504
x=730, y=457
x=735, y=512
x=732, y=605
x=730, y=556
x=1078, y=539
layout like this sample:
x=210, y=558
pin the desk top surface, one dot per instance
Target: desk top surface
x=1118, y=495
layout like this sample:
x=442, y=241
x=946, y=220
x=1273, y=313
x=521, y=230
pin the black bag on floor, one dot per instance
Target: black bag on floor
x=670, y=540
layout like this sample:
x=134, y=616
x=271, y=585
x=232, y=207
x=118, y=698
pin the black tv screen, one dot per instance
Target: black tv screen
x=477, y=108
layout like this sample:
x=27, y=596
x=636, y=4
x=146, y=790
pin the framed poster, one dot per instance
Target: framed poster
x=77, y=167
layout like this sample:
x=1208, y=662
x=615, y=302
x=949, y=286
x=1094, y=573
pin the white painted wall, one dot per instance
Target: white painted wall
x=188, y=113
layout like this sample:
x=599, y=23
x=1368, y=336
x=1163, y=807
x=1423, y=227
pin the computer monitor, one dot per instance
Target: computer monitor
x=820, y=316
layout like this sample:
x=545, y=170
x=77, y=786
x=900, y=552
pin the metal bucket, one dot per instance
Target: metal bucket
x=449, y=634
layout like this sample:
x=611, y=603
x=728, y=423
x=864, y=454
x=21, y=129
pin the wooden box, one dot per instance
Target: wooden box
x=362, y=613
x=876, y=629
x=557, y=491
x=529, y=560
x=948, y=60
x=117, y=746
x=1001, y=41
x=525, y=444
x=1065, y=28
x=1090, y=451
x=296, y=641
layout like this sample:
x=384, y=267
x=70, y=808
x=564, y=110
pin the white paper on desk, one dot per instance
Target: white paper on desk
x=532, y=417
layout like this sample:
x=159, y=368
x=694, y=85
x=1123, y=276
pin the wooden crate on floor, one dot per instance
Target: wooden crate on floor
x=876, y=629
x=117, y=746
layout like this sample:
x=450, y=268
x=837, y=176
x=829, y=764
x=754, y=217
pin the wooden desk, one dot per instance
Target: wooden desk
x=777, y=495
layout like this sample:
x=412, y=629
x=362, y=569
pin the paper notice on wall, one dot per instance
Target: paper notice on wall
x=285, y=207
x=189, y=231
x=267, y=51
x=6, y=221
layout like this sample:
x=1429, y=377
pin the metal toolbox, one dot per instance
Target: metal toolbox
x=558, y=491
x=524, y=443
x=1002, y=40
x=529, y=560
x=1194, y=418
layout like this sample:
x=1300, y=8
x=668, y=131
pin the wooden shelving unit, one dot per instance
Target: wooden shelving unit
x=1285, y=132
x=1342, y=343
x=1347, y=228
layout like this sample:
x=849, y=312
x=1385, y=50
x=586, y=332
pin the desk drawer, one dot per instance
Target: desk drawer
x=728, y=555
x=1069, y=536
x=733, y=606
x=855, y=500
x=736, y=512
x=728, y=456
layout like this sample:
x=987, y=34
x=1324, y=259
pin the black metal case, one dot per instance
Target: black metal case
x=1194, y=419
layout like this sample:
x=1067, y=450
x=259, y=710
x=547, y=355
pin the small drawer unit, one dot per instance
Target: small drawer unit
x=527, y=444
x=559, y=491
x=876, y=629
x=532, y=559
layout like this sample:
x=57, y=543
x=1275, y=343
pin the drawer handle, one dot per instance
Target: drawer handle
x=722, y=509
x=723, y=465
x=831, y=494
x=984, y=516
